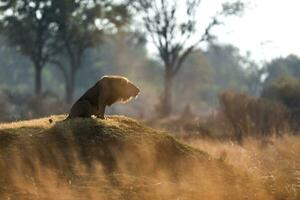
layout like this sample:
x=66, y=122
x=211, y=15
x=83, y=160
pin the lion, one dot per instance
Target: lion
x=107, y=91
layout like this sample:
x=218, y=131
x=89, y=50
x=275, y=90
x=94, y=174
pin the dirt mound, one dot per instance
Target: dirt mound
x=116, y=158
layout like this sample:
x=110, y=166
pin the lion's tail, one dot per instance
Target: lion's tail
x=68, y=118
x=51, y=120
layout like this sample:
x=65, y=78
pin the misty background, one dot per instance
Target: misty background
x=236, y=54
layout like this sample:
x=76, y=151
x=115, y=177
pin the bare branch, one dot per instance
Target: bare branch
x=182, y=58
x=205, y=37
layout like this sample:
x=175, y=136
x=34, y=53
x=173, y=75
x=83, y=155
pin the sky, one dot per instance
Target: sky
x=267, y=29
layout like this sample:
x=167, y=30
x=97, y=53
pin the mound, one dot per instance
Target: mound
x=116, y=158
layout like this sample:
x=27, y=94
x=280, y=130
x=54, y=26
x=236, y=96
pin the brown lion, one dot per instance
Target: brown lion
x=107, y=91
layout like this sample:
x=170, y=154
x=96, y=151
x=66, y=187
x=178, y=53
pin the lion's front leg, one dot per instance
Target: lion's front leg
x=101, y=111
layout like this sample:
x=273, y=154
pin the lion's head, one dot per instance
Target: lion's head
x=121, y=89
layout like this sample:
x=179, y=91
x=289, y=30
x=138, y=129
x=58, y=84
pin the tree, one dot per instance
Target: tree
x=232, y=71
x=280, y=67
x=28, y=25
x=173, y=31
x=17, y=66
x=82, y=25
x=282, y=84
x=285, y=90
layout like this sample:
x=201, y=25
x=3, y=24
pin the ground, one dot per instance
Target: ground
x=115, y=158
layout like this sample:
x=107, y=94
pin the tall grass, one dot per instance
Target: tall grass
x=276, y=165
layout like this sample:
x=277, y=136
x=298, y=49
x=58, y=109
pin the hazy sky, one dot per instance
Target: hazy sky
x=268, y=28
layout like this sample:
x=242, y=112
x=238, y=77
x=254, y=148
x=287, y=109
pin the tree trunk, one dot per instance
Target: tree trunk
x=38, y=80
x=67, y=92
x=166, y=103
x=70, y=86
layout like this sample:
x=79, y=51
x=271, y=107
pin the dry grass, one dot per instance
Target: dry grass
x=35, y=123
x=275, y=163
x=116, y=158
x=120, y=158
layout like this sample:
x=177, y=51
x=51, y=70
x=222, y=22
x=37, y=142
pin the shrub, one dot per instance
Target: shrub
x=250, y=116
x=5, y=109
x=18, y=106
x=286, y=90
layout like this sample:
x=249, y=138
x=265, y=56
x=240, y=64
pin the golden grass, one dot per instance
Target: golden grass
x=275, y=163
x=35, y=123
x=122, y=158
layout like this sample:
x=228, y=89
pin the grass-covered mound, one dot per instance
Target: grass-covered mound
x=115, y=158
